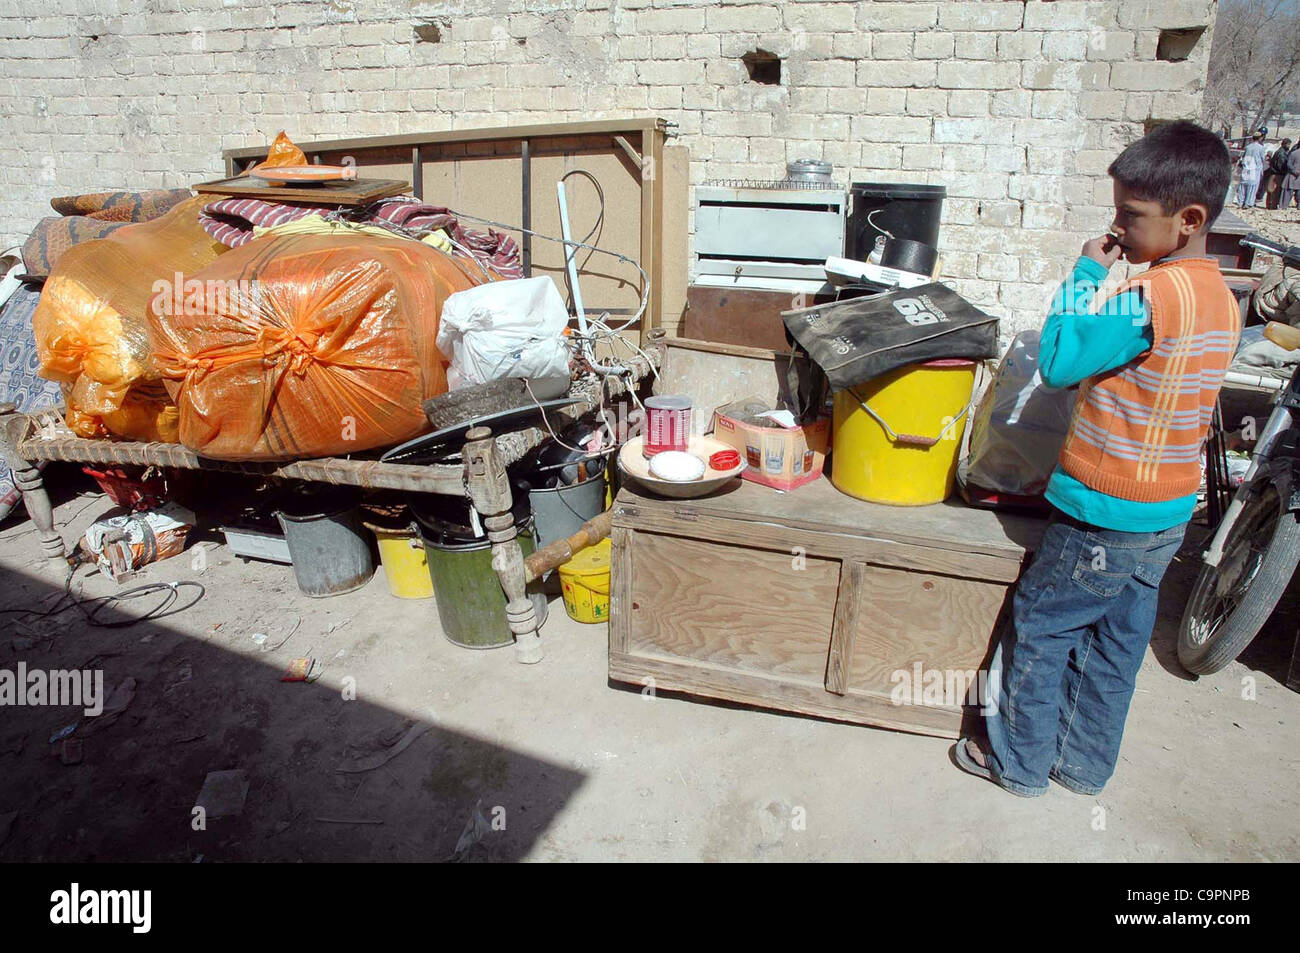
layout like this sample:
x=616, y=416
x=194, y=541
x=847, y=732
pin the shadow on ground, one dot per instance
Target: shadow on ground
x=200, y=707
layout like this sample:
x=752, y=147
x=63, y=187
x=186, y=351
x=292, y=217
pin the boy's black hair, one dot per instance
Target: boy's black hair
x=1177, y=164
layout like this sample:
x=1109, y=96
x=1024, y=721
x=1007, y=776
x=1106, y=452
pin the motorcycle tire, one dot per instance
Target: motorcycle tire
x=1269, y=582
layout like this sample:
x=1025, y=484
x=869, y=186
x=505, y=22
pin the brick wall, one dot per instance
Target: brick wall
x=1017, y=107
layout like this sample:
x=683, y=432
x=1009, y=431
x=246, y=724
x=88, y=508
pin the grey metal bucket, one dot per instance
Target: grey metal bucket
x=559, y=512
x=331, y=553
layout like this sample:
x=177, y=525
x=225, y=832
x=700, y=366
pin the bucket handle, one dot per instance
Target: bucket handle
x=911, y=439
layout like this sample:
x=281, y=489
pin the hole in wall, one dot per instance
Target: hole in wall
x=1176, y=45
x=763, y=67
x=1150, y=124
x=428, y=33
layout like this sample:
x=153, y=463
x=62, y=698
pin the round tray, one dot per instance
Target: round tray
x=296, y=174
x=634, y=464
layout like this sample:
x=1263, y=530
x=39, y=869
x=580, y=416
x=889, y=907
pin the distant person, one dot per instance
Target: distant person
x=1291, y=184
x=1252, y=167
x=1271, y=185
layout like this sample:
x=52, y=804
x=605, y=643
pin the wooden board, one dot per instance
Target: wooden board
x=738, y=316
x=353, y=192
x=507, y=174
x=675, y=183
x=671, y=598
x=817, y=609
x=819, y=507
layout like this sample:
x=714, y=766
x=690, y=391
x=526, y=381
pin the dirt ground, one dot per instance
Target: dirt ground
x=1281, y=226
x=558, y=763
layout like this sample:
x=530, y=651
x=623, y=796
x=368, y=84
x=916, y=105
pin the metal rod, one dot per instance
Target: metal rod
x=526, y=238
x=570, y=262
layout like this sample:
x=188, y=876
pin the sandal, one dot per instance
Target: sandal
x=966, y=761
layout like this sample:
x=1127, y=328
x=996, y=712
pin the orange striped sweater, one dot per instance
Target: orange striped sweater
x=1137, y=430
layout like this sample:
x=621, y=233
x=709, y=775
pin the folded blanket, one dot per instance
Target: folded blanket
x=232, y=222
x=88, y=217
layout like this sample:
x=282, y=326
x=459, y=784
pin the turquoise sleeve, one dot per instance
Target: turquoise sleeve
x=1075, y=343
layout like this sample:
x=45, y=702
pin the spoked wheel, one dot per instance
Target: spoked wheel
x=1231, y=602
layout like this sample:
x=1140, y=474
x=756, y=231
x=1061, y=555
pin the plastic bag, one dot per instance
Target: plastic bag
x=307, y=345
x=122, y=544
x=146, y=414
x=505, y=329
x=282, y=152
x=1017, y=433
x=859, y=339
x=90, y=327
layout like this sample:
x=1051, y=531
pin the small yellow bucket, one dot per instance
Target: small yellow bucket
x=405, y=566
x=584, y=581
x=896, y=437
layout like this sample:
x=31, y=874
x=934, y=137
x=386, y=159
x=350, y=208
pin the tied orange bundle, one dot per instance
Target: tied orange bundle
x=308, y=345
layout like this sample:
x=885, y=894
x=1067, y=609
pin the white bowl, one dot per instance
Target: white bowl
x=634, y=464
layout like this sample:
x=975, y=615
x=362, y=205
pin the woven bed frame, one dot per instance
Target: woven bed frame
x=27, y=439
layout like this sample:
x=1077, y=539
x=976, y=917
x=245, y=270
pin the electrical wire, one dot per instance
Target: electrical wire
x=159, y=611
x=99, y=603
x=600, y=219
x=645, y=278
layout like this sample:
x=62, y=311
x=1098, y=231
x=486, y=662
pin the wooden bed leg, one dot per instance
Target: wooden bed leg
x=489, y=491
x=27, y=478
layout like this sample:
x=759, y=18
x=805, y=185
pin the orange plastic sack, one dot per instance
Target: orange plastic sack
x=308, y=345
x=282, y=152
x=146, y=414
x=90, y=326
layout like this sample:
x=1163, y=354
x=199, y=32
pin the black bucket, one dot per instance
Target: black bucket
x=903, y=210
x=904, y=254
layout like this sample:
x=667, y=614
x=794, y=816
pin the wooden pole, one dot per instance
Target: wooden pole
x=560, y=551
x=489, y=491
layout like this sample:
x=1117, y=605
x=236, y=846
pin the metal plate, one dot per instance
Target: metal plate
x=439, y=445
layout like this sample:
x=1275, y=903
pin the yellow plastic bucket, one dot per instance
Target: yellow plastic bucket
x=401, y=551
x=584, y=582
x=896, y=437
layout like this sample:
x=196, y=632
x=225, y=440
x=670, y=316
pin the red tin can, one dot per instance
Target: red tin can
x=667, y=425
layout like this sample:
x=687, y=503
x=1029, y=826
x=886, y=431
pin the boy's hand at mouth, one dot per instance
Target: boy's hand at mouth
x=1105, y=250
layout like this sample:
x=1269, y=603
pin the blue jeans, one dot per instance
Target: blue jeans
x=1063, y=674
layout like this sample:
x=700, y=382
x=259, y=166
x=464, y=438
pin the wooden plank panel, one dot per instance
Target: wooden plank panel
x=819, y=506
x=848, y=608
x=674, y=183
x=482, y=186
x=361, y=191
x=620, y=588
x=942, y=622
x=731, y=607
x=743, y=316
x=405, y=140
x=685, y=522
x=607, y=283
x=753, y=689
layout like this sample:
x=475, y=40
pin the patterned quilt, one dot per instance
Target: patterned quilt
x=19, y=382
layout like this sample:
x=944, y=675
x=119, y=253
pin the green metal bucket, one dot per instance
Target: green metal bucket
x=471, y=605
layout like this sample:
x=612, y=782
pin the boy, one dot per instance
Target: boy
x=1149, y=364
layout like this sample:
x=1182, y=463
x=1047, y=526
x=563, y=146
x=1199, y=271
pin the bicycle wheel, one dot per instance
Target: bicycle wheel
x=1231, y=602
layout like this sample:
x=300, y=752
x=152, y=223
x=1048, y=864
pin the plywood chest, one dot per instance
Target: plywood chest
x=811, y=601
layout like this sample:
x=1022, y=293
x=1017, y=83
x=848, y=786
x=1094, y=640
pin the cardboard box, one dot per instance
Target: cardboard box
x=780, y=457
